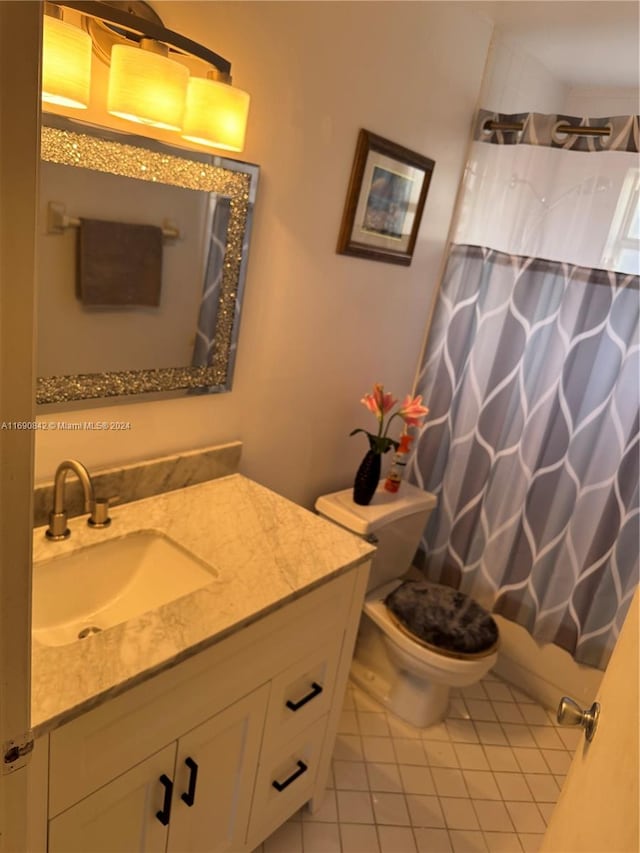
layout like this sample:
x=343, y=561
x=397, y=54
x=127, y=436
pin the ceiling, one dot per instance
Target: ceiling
x=591, y=43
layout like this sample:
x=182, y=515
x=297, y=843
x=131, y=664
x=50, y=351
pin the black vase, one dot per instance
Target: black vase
x=367, y=478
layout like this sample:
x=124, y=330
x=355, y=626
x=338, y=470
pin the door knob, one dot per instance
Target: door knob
x=571, y=714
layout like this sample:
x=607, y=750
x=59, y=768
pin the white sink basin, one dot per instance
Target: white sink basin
x=103, y=585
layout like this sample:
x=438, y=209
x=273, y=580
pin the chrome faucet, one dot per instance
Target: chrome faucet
x=98, y=509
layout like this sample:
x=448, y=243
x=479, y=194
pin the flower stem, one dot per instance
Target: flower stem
x=394, y=415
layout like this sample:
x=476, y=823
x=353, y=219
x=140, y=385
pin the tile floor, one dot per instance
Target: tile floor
x=484, y=780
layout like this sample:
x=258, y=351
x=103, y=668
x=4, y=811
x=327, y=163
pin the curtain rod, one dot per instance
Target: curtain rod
x=561, y=128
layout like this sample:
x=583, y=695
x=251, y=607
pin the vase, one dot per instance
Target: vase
x=367, y=478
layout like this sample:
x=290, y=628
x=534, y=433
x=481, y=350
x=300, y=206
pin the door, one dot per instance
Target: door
x=128, y=815
x=598, y=808
x=20, y=28
x=215, y=772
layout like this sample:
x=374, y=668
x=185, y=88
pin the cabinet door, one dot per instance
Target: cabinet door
x=215, y=772
x=120, y=817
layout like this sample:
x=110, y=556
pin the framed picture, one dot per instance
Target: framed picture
x=385, y=200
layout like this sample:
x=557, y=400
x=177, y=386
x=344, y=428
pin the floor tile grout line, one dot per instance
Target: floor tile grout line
x=486, y=840
x=430, y=767
x=447, y=830
x=476, y=800
x=510, y=746
x=457, y=741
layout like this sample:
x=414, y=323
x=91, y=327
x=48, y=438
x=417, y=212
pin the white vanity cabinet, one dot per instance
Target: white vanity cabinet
x=192, y=793
x=218, y=751
x=119, y=816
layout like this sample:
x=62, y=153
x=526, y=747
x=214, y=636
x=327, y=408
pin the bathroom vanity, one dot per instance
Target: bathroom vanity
x=203, y=724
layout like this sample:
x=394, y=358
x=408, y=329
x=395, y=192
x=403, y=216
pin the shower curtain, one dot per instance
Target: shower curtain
x=217, y=219
x=531, y=372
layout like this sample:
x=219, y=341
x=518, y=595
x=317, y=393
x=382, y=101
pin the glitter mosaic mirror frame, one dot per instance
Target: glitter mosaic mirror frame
x=216, y=325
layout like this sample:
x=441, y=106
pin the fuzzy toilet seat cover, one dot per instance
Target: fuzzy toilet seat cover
x=442, y=618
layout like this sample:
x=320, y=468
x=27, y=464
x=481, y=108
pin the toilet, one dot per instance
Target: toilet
x=416, y=640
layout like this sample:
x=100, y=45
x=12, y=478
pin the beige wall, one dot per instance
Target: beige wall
x=589, y=101
x=545, y=672
x=516, y=82
x=318, y=328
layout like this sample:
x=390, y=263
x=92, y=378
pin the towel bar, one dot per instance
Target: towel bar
x=58, y=222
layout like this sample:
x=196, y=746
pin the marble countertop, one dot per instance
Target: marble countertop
x=265, y=549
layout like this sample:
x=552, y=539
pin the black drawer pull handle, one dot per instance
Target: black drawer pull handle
x=280, y=786
x=316, y=690
x=190, y=796
x=165, y=814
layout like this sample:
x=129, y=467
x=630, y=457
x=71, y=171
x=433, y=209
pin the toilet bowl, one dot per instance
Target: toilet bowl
x=414, y=681
x=410, y=675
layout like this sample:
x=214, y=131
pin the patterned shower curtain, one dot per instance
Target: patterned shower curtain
x=217, y=225
x=532, y=372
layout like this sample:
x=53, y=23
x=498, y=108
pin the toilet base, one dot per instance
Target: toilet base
x=419, y=703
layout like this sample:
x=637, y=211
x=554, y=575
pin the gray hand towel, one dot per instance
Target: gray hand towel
x=119, y=264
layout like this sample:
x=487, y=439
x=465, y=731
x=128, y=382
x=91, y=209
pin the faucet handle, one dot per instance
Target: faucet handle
x=99, y=516
x=57, y=528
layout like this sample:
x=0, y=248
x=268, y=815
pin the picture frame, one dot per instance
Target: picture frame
x=385, y=200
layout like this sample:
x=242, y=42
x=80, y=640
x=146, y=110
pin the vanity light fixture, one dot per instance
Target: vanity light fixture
x=158, y=77
x=146, y=86
x=66, y=61
x=216, y=113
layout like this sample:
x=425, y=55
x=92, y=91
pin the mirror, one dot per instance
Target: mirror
x=142, y=257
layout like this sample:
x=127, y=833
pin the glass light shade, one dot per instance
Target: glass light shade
x=146, y=87
x=216, y=114
x=66, y=64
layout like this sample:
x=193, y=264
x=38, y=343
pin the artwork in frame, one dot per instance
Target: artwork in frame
x=385, y=200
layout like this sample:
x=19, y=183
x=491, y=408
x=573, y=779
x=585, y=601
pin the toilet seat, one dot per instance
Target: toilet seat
x=421, y=652
x=443, y=619
x=447, y=653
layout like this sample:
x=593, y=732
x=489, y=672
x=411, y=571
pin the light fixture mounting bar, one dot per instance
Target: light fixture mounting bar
x=148, y=29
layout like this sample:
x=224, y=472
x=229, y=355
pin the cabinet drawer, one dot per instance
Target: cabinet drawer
x=285, y=780
x=302, y=693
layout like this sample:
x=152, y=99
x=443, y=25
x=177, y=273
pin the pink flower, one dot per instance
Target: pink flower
x=378, y=403
x=412, y=411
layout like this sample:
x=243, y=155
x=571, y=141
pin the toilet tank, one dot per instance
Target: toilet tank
x=394, y=522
